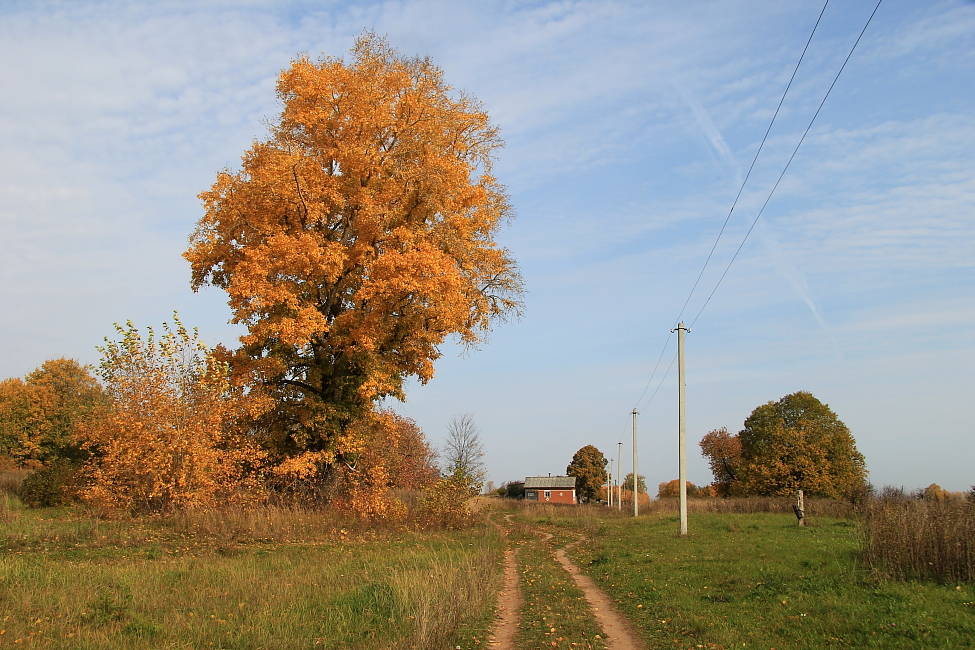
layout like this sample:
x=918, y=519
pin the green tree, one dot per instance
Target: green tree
x=589, y=467
x=641, y=483
x=514, y=489
x=797, y=443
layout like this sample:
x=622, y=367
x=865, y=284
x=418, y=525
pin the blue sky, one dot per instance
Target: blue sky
x=628, y=126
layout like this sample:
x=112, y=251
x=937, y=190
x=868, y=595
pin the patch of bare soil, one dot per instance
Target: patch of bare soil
x=509, y=601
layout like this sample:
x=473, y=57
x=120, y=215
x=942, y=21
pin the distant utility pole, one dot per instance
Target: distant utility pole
x=636, y=505
x=682, y=426
x=609, y=485
x=619, y=484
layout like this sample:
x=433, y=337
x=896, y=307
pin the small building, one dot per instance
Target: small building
x=550, y=489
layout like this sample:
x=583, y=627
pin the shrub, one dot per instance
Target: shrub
x=171, y=438
x=444, y=504
x=54, y=485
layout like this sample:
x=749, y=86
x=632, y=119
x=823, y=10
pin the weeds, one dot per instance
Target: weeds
x=921, y=539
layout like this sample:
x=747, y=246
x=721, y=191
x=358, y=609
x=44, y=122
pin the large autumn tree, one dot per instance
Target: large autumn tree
x=589, y=467
x=796, y=442
x=355, y=240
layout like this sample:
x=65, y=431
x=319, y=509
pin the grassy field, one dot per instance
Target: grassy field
x=756, y=580
x=70, y=581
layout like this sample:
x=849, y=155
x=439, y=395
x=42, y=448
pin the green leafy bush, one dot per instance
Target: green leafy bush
x=55, y=484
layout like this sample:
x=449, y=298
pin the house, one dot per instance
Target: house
x=550, y=489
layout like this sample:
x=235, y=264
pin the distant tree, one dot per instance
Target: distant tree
x=40, y=415
x=463, y=452
x=489, y=487
x=797, y=443
x=671, y=489
x=514, y=490
x=641, y=483
x=16, y=420
x=723, y=452
x=934, y=492
x=589, y=467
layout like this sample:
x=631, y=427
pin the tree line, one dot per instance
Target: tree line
x=794, y=443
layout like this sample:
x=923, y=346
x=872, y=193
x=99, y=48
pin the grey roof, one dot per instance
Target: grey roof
x=550, y=482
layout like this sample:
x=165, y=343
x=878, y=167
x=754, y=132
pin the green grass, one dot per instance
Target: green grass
x=555, y=613
x=68, y=581
x=758, y=581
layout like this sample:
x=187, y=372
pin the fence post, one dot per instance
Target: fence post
x=800, y=509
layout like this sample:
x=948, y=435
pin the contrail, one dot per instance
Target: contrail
x=797, y=281
x=709, y=129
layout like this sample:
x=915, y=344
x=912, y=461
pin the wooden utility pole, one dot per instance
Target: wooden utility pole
x=682, y=427
x=636, y=501
x=619, y=483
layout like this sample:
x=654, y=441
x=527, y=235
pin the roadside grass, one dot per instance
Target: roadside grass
x=555, y=614
x=70, y=581
x=757, y=580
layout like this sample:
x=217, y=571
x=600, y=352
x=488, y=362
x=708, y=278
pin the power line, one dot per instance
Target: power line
x=654, y=372
x=752, y=165
x=787, y=164
x=724, y=225
x=663, y=378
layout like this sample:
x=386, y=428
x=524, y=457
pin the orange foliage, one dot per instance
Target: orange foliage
x=169, y=439
x=644, y=498
x=17, y=420
x=723, y=451
x=353, y=242
x=671, y=489
x=393, y=454
x=398, y=444
x=40, y=415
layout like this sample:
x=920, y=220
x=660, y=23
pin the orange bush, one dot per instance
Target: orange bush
x=169, y=439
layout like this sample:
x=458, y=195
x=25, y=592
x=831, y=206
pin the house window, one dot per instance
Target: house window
x=531, y=495
x=548, y=494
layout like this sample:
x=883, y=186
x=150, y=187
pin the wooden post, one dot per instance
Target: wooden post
x=800, y=509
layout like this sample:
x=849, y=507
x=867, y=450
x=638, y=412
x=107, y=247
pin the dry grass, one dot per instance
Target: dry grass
x=921, y=539
x=10, y=480
x=747, y=505
x=266, y=523
x=669, y=506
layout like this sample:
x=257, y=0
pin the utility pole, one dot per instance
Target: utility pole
x=682, y=427
x=619, y=484
x=636, y=502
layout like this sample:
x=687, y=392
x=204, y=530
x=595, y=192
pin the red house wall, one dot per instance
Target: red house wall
x=558, y=495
